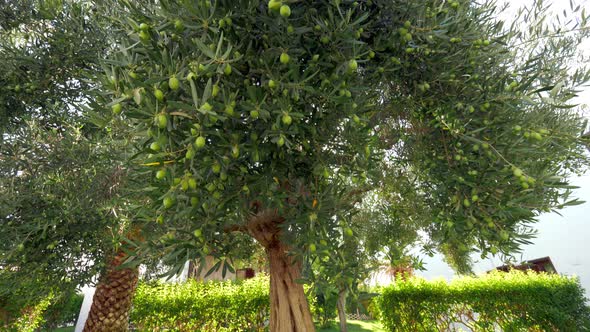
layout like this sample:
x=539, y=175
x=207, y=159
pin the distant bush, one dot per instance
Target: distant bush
x=64, y=311
x=31, y=317
x=514, y=301
x=48, y=313
x=322, y=301
x=197, y=306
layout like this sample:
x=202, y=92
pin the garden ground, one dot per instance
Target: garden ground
x=353, y=326
x=357, y=326
x=65, y=329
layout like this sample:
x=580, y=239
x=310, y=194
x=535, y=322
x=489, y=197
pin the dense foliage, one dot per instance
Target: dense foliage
x=294, y=110
x=514, y=301
x=198, y=306
x=324, y=298
x=57, y=174
x=63, y=311
x=47, y=314
x=56, y=227
x=237, y=108
x=43, y=75
x=61, y=209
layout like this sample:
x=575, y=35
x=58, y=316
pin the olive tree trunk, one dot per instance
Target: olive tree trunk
x=341, y=305
x=113, y=297
x=289, y=311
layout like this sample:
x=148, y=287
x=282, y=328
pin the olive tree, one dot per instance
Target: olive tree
x=60, y=177
x=274, y=119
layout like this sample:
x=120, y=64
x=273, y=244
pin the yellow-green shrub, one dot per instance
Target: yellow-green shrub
x=197, y=306
x=513, y=301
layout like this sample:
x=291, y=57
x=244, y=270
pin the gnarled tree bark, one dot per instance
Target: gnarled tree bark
x=289, y=311
x=113, y=297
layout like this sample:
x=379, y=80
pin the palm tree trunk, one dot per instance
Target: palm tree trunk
x=113, y=297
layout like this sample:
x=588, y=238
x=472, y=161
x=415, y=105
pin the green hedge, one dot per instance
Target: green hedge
x=513, y=301
x=198, y=306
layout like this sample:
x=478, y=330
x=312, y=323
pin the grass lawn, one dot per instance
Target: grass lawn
x=357, y=326
x=353, y=326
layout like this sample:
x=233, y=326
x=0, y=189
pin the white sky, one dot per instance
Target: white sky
x=566, y=238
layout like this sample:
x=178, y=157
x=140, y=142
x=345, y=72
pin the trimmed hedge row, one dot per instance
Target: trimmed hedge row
x=514, y=301
x=197, y=306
